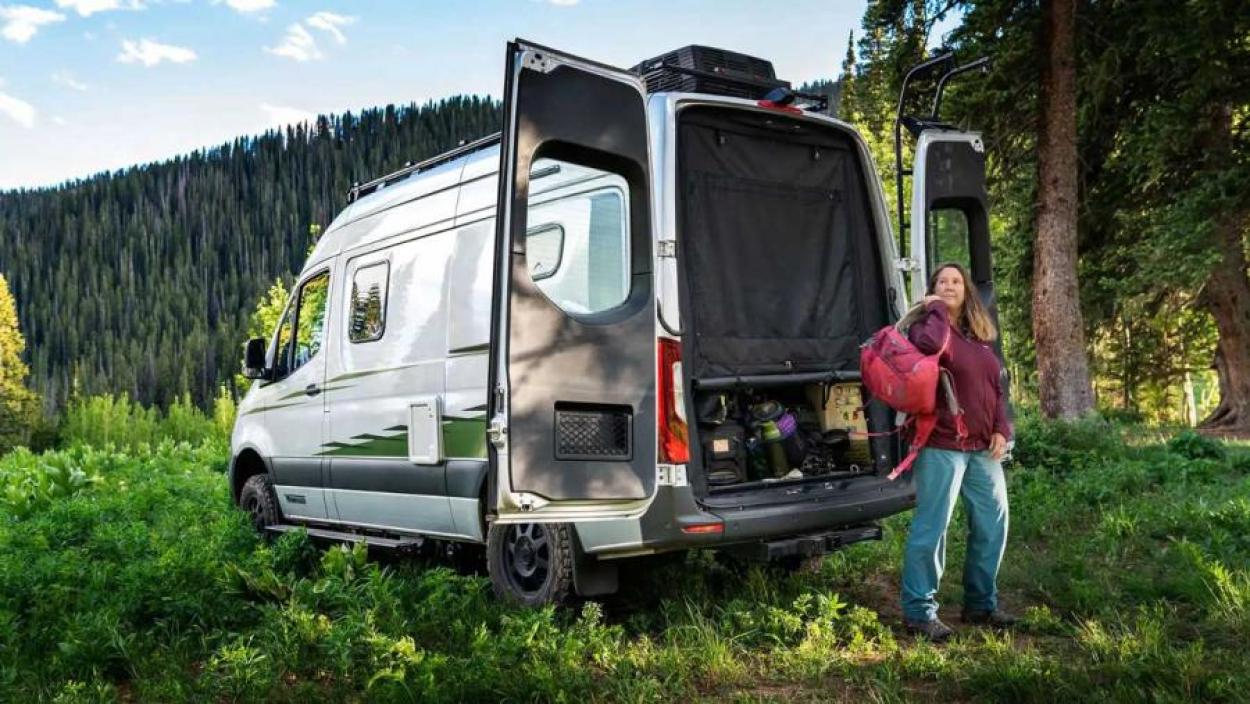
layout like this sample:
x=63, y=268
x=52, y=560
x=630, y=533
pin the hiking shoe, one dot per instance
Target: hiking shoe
x=934, y=630
x=994, y=619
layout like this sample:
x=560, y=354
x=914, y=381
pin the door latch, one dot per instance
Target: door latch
x=497, y=433
x=671, y=475
x=906, y=264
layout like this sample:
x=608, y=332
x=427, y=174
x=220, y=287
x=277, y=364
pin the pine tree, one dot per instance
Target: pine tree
x=19, y=407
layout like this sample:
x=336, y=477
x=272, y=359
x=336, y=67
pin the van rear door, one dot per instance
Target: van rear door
x=950, y=211
x=573, y=358
x=950, y=216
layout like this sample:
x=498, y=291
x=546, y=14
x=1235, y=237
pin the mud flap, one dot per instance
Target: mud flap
x=592, y=576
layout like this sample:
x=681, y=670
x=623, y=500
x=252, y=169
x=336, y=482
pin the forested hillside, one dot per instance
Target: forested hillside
x=141, y=281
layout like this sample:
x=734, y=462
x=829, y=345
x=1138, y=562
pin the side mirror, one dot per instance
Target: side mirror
x=254, y=359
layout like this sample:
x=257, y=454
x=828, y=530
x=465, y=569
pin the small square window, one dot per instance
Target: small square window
x=367, y=304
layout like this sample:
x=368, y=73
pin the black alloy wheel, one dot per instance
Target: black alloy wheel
x=527, y=557
x=258, y=501
x=531, y=563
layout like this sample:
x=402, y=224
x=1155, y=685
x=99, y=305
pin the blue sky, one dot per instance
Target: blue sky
x=92, y=85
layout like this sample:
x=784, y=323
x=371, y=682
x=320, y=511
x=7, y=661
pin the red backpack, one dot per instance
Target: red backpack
x=906, y=379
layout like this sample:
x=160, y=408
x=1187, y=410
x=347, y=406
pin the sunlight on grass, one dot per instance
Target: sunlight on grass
x=128, y=574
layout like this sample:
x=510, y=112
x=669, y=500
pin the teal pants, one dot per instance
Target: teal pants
x=940, y=477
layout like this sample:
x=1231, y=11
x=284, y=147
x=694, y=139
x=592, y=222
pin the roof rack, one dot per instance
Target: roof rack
x=359, y=190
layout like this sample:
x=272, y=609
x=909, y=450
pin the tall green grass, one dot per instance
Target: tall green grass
x=126, y=574
x=113, y=420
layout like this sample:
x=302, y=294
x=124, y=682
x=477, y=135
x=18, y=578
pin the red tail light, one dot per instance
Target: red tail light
x=793, y=110
x=674, y=438
x=703, y=528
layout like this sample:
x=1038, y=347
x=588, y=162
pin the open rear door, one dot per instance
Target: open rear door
x=950, y=210
x=950, y=217
x=573, y=357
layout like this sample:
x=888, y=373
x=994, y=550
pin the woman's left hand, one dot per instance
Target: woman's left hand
x=998, y=446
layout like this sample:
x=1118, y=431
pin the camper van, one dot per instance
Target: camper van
x=628, y=324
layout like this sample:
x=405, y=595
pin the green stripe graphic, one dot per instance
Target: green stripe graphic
x=462, y=437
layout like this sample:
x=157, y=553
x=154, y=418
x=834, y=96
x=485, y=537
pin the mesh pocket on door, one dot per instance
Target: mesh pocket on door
x=585, y=432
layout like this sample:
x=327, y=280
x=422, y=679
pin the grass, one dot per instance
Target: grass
x=127, y=575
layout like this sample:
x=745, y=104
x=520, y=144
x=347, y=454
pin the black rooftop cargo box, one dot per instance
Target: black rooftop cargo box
x=705, y=69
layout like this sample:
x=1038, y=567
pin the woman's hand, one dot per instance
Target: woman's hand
x=930, y=299
x=998, y=446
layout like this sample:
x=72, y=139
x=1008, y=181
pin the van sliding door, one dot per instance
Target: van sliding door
x=572, y=402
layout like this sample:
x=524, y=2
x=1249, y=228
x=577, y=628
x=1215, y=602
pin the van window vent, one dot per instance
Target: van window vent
x=592, y=432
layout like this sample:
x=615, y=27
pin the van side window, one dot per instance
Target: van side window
x=282, y=349
x=310, y=320
x=577, y=236
x=367, y=305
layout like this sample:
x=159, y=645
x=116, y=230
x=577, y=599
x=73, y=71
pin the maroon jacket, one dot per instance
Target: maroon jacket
x=977, y=378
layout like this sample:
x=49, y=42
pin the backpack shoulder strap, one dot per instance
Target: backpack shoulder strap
x=946, y=341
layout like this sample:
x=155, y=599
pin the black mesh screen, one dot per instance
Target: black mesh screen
x=593, y=433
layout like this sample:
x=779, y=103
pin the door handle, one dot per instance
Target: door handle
x=312, y=390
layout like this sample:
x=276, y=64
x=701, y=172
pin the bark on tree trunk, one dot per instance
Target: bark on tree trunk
x=1226, y=295
x=1063, y=370
x=1227, y=298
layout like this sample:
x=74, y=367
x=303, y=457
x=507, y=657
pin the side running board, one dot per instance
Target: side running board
x=343, y=536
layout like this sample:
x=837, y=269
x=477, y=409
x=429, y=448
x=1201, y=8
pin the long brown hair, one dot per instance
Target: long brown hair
x=973, y=317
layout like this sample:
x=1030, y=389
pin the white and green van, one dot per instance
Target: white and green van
x=628, y=324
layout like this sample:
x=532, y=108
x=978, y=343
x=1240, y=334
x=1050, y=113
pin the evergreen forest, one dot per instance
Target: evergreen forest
x=142, y=281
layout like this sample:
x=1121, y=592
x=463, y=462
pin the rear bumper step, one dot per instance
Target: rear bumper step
x=810, y=545
x=343, y=536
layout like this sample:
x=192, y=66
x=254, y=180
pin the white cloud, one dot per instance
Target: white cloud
x=278, y=115
x=21, y=22
x=86, y=8
x=65, y=78
x=298, y=44
x=20, y=111
x=248, y=6
x=564, y=3
x=150, y=53
x=59, y=121
x=329, y=22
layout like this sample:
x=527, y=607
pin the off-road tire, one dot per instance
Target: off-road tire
x=258, y=500
x=531, y=564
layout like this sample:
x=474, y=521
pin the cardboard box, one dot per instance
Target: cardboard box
x=844, y=410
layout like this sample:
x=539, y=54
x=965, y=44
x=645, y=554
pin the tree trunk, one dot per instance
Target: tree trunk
x=1063, y=370
x=1227, y=298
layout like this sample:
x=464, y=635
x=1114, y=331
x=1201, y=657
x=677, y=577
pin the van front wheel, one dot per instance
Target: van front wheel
x=259, y=502
x=530, y=564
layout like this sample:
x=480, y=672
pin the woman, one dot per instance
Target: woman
x=951, y=466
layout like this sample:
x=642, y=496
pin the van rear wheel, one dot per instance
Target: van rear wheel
x=259, y=502
x=530, y=564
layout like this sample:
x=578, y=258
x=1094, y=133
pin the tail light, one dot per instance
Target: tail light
x=703, y=528
x=674, y=437
x=778, y=106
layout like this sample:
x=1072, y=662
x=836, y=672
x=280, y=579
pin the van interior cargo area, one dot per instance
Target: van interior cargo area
x=783, y=280
x=757, y=437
